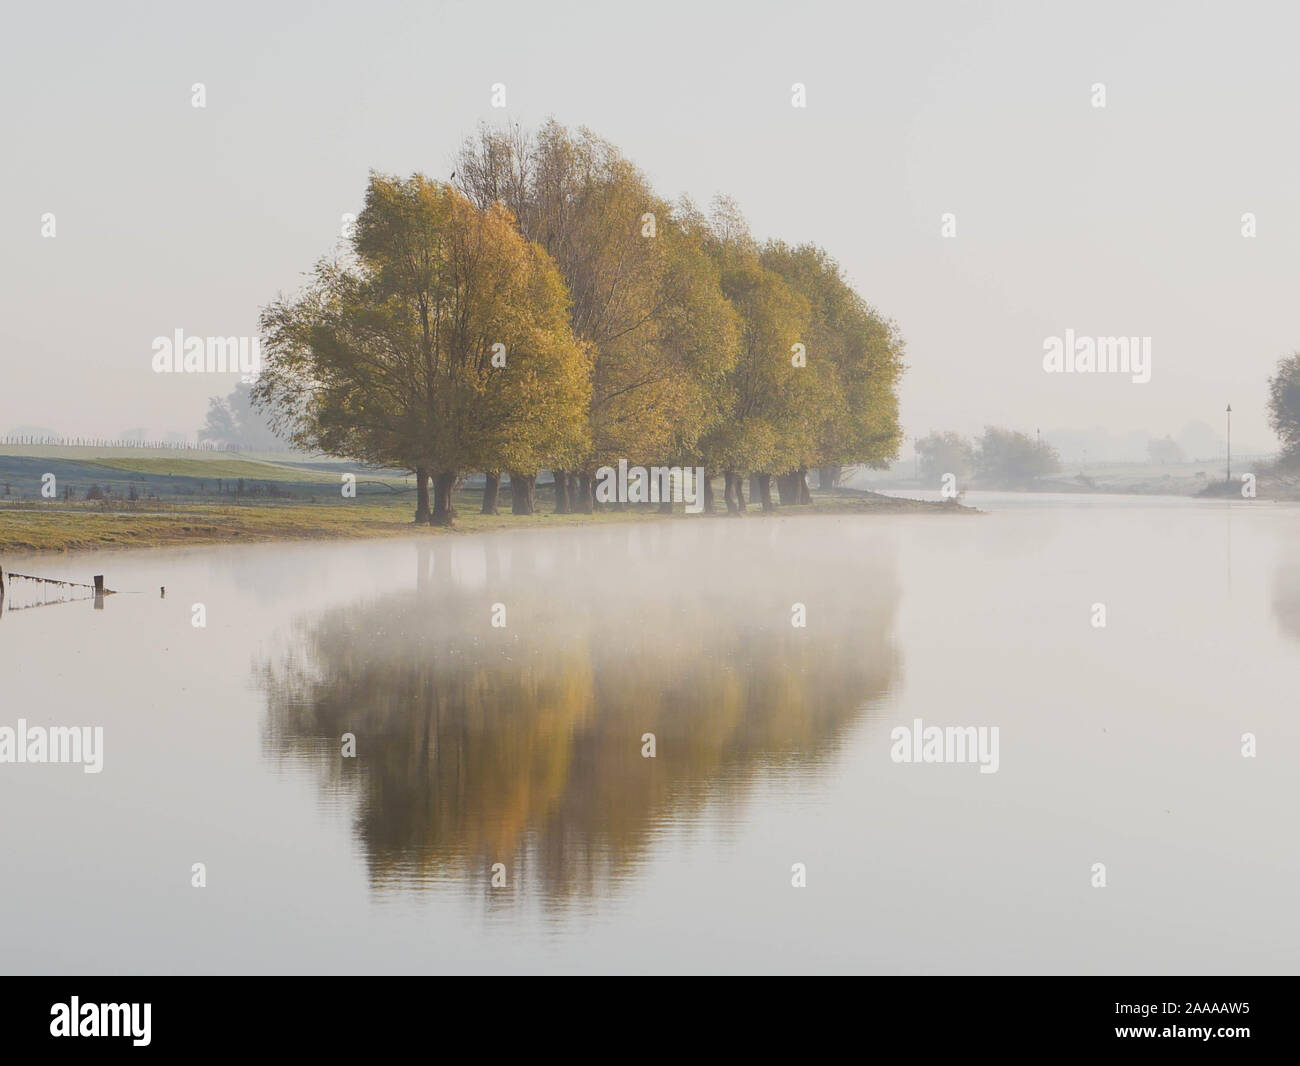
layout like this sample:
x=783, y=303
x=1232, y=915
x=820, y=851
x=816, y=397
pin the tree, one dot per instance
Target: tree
x=443, y=346
x=644, y=294
x=1007, y=459
x=220, y=426
x=945, y=453
x=1165, y=450
x=766, y=400
x=233, y=420
x=1284, y=405
x=854, y=358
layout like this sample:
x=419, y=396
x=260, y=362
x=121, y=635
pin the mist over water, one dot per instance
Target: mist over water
x=522, y=745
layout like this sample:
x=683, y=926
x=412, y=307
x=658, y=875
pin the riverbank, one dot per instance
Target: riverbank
x=1125, y=479
x=58, y=526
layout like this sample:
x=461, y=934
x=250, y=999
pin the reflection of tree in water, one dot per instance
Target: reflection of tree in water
x=523, y=745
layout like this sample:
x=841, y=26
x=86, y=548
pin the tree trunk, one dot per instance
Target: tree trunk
x=586, y=494
x=754, y=491
x=491, y=489
x=561, y=491
x=785, y=489
x=521, y=493
x=765, y=493
x=665, y=486
x=801, y=485
x=442, y=511
x=709, y=506
x=421, y=495
x=730, y=489
x=828, y=477
x=740, y=493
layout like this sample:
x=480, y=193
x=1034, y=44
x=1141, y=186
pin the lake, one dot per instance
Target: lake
x=520, y=746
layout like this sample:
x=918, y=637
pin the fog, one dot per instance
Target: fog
x=1122, y=220
x=523, y=744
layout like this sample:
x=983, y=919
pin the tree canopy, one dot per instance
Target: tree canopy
x=1284, y=405
x=443, y=346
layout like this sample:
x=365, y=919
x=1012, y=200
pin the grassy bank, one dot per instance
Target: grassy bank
x=151, y=498
x=1128, y=479
x=58, y=526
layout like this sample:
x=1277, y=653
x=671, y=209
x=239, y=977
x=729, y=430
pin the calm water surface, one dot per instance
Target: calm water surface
x=522, y=746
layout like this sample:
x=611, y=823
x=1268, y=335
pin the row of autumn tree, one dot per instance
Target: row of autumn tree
x=547, y=311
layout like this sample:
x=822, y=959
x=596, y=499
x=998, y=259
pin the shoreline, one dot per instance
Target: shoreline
x=1269, y=485
x=32, y=530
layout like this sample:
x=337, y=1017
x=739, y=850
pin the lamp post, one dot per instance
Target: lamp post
x=1229, y=442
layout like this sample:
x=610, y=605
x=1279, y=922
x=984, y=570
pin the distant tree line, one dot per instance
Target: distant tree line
x=549, y=311
x=234, y=423
x=1000, y=459
x=1165, y=450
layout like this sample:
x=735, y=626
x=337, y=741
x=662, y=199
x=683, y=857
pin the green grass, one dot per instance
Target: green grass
x=177, y=503
x=80, y=527
x=55, y=526
x=227, y=468
x=182, y=476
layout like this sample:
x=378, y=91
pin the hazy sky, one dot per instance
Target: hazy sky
x=1117, y=221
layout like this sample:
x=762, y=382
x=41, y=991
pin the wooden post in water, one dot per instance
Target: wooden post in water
x=99, y=584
